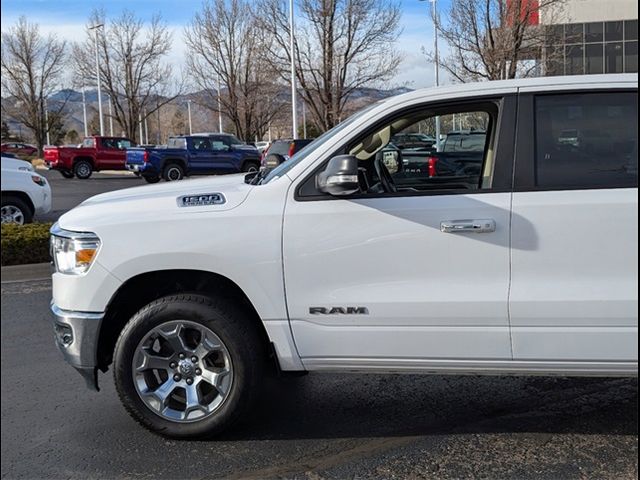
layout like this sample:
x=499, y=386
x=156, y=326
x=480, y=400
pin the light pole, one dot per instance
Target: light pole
x=110, y=118
x=294, y=116
x=189, y=112
x=146, y=129
x=95, y=29
x=219, y=106
x=84, y=113
x=46, y=119
x=304, y=119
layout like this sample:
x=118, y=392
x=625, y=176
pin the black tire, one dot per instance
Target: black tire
x=15, y=205
x=66, y=173
x=173, y=172
x=250, y=166
x=151, y=178
x=229, y=323
x=83, y=169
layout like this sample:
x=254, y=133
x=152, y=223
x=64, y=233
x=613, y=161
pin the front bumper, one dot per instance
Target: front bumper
x=76, y=335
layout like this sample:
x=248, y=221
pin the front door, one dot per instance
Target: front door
x=414, y=278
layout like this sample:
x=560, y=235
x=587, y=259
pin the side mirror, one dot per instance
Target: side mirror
x=340, y=177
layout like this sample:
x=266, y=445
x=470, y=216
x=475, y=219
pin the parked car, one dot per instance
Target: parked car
x=24, y=192
x=196, y=291
x=282, y=150
x=261, y=146
x=95, y=154
x=201, y=154
x=22, y=149
x=9, y=162
x=413, y=140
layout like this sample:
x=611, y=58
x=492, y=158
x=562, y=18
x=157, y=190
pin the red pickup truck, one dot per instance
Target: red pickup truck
x=94, y=154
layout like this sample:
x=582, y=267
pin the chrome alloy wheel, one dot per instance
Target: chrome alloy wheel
x=173, y=174
x=12, y=214
x=182, y=371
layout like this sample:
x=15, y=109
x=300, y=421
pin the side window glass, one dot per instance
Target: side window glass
x=201, y=144
x=124, y=143
x=586, y=140
x=404, y=156
x=456, y=163
x=219, y=146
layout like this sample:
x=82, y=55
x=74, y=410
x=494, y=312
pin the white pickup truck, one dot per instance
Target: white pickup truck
x=339, y=261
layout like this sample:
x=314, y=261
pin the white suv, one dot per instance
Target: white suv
x=516, y=258
x=24, y=192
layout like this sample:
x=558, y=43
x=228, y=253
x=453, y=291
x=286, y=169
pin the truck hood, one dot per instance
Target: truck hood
x=162, y=199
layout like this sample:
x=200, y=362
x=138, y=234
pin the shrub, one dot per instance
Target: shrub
x=23, y=244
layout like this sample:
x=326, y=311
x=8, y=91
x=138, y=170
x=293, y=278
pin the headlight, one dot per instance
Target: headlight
x=73, y=252
x=37, y=179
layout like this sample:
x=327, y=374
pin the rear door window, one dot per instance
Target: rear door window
x=586, y=140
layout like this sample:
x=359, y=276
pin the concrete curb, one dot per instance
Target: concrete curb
x=23, y=273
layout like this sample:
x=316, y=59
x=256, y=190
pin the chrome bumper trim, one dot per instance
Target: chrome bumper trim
x=76, y=335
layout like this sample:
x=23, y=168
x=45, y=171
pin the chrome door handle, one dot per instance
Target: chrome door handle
x=466, y=226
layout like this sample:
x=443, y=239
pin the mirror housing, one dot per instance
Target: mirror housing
x=340, y=178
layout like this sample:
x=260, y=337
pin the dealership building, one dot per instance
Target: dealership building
x=590, y=37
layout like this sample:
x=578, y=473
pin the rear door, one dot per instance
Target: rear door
x=574, y=288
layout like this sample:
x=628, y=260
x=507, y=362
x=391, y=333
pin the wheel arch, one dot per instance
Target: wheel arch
x=142, y=289
x=22, y=196
x=176, y=160
x=253, y=160
x=91, y=160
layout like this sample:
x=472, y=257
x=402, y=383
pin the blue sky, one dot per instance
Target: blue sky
x=66, y=18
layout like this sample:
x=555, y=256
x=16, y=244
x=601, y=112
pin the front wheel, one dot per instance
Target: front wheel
x=250, y=167
x=188, y=366
x=15, y=210
x=83, y=169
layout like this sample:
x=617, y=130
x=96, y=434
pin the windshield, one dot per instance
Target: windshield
x=284, y=167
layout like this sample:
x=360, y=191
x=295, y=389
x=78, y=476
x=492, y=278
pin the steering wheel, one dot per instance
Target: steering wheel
x=385, y=177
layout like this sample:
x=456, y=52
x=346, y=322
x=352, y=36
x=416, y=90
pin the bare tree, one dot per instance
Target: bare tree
x=32, y=66
x=339, y=46
x=132, y=68
x=223, y=44
x=495, y=39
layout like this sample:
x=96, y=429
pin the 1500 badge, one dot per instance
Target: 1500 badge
x=338, y=310
x=201, y=199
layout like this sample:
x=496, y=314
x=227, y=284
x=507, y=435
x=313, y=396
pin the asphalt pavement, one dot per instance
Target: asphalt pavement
x=70, y=192
x=322, y=426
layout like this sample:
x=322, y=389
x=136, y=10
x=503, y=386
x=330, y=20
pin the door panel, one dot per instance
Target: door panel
x=574, y=292
x=429, y=294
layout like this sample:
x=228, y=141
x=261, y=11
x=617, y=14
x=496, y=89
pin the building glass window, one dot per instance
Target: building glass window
x=612, y=31
x=594, y=58
x=631, y=30
x=554, y=64
x=593, y=32
x=555, y=34
x=574, y=60
x=613, y=57
x=631, y=57
x=573, y=33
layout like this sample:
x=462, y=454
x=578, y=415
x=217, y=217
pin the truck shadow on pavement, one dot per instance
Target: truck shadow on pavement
x=345, y=406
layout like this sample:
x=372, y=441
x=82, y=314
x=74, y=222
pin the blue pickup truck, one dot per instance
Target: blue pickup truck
x=193, y=155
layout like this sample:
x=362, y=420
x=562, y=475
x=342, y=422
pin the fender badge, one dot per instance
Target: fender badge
x=201, y=200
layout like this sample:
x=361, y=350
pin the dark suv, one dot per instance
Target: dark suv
x=281, y=150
